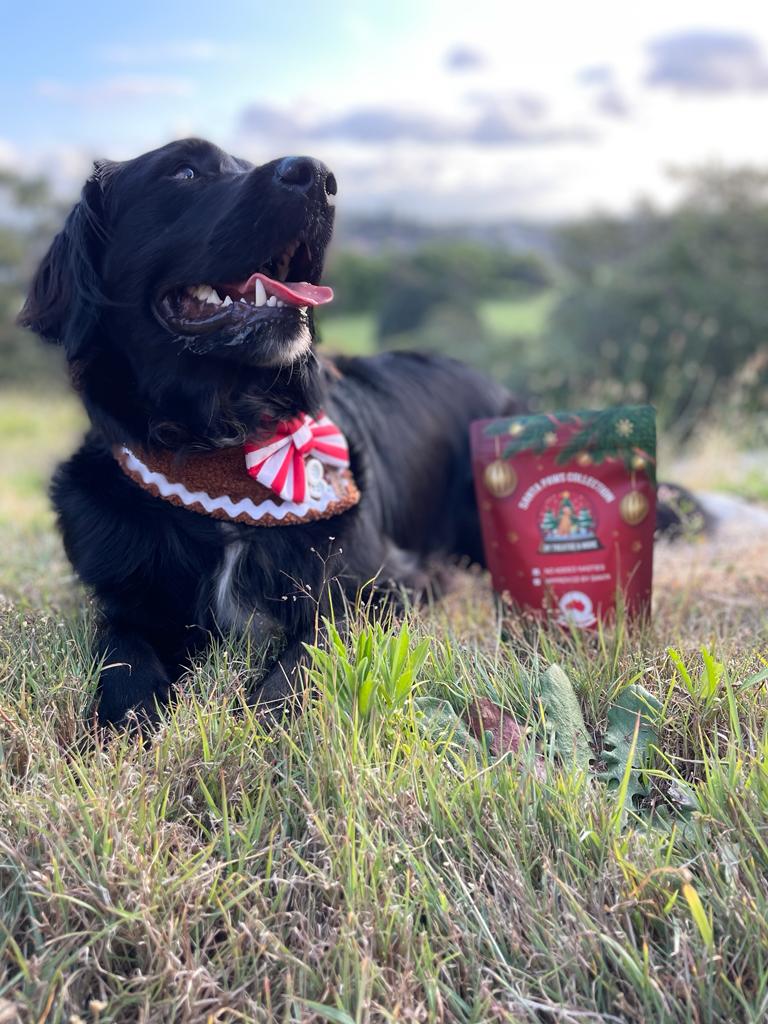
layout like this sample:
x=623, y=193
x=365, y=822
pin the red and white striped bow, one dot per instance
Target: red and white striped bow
x=278, y=463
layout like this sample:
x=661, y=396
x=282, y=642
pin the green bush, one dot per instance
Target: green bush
x=32, y=217
x=668, y=308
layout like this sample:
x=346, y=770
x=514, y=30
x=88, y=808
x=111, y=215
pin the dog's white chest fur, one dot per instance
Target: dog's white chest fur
x=226, y=606
x=230, y=611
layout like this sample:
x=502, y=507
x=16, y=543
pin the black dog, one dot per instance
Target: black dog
x=173, y=359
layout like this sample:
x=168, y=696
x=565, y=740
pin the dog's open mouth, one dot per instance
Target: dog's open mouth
x=277, y=289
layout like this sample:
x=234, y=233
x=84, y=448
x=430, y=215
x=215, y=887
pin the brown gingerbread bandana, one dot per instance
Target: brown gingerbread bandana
x=217, y=484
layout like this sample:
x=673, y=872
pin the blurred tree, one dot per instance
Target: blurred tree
x=481, y=270
x=667, y=308
x=455, y=275
x=409, y=297
x=447, y=327
x=358, y=281
x=30, y=217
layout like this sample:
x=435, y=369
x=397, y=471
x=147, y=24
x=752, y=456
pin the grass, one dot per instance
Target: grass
x=35, y=432
x=356, y=866
x=355, y=334
x=753, y=485
x=525, y=317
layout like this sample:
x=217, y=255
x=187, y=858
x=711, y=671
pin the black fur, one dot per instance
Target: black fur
x=142, y=229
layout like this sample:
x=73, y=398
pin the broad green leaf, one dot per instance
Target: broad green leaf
x=676, y=658
x=624, y=786
x=634, y=709
x=400, y=652
x=365, y=694
x=402, y=686
x=440, y=722
x=564, y=719
x=711, y=676
x=335, y=638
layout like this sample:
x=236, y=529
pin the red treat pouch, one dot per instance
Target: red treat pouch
x=568, y=510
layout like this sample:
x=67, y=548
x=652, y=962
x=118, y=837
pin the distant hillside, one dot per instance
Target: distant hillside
x=367, y=234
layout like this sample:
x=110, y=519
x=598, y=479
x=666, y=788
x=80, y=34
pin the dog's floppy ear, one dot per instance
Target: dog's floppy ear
x=65, y=295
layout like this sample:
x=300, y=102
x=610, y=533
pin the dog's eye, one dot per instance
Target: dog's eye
x=184, y=173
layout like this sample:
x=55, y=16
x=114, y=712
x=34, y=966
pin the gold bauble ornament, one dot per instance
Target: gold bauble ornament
x=633, y=508
x=500, y=478
x=584, y=459
x=638, y=462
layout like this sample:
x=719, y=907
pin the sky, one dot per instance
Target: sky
x=432, y=109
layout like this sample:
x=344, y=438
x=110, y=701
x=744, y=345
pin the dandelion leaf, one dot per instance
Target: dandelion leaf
x=623, y=714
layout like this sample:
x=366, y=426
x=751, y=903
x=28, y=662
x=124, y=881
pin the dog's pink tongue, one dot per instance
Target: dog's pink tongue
x=297, y=293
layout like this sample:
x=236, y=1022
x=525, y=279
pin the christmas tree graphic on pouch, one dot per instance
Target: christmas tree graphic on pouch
x=567, y=524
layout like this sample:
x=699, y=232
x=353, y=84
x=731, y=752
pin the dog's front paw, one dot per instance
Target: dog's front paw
x=130, y=701
x=279, y=695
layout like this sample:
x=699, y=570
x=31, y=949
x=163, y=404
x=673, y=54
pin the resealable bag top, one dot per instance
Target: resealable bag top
x=568, y=508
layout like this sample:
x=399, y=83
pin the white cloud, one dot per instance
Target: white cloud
x=459, y=178
x=10, y=156
x=490, y=116
x=462, y=59
x=196, y=50
x=117, y=88
x=484, y=118
x=707, y=61
x=600, y=138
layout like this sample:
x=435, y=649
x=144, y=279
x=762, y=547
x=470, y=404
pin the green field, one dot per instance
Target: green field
x=522, y=318
x=355, y=334
x=382, y=867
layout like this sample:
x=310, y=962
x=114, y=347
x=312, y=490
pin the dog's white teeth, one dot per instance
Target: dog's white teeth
x=272, y=300
x=204, y=293
x=280, y=302
x=261, y=295
x=227, y=300
x=243, y=300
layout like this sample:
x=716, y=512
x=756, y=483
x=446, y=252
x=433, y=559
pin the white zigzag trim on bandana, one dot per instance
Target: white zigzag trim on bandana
x=233, y=509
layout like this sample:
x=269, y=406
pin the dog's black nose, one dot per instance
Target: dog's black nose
x=303, y=173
